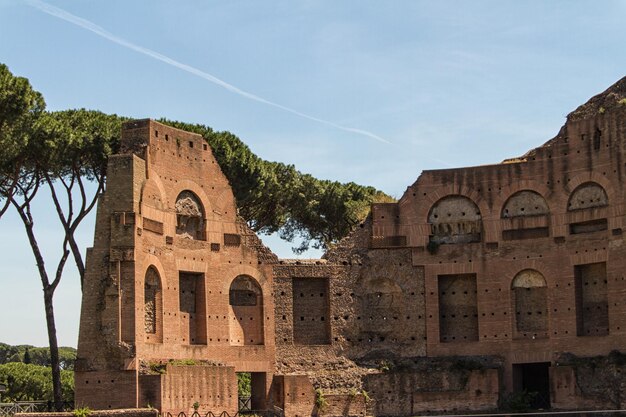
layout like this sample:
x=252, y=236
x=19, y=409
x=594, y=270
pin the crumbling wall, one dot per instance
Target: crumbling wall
x=591, y=382
x=410, y=387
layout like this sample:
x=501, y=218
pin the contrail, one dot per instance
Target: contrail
x=92, y=27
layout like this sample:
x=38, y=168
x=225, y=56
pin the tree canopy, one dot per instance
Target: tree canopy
x=20, y=110
x=275, y=197
x=38, y=355
x=30, y=382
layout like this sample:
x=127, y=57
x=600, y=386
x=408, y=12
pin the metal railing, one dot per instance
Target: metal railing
x=9, y=409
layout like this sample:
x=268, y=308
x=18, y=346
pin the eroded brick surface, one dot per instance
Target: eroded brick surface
x=470, y=286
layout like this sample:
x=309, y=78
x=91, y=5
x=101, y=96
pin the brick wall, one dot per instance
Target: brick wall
x=310, y=311
x=432, y=276
x=458, y=310
x=214, y=388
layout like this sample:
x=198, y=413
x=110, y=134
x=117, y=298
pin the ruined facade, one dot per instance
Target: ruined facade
x=479, y=283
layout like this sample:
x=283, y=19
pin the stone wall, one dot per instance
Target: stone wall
x=506, y=264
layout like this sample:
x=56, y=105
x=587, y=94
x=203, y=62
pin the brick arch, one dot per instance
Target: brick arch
x=528, y=278
x=463, y=223
x=155, y=183
x=153, y=302
x=246, y=311
x=452, y=189
x=415, y=209
x=152, y=260
x=510, y=190
x=585, y=191
x=237, y=270
x=585, y=177
x=533, y=204
x=529, y=301
x=188, y=185
x=530, y=264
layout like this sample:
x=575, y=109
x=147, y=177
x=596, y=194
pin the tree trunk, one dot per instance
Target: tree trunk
x=48, y=293
x=54, y=349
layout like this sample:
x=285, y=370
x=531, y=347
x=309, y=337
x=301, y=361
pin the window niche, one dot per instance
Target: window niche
x=458, y=308
x=192, y=305
x=530, y=305
x=153, y=306
x=582, y=204
x=592, y=309
x=525, y=216
x=190, y=218
x=311, y=310
x=586, y=196
x=455, y=219
x=246, y=312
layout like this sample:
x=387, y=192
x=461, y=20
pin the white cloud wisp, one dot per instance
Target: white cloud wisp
x=92, y=27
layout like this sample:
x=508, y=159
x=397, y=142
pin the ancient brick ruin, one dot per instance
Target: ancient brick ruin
x=478, y=283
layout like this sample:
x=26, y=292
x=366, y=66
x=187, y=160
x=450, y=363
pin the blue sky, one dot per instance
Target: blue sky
x=447, y=83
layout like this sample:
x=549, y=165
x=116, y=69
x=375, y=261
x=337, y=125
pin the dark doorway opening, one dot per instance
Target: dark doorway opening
x=533, y=379
x=251, y=391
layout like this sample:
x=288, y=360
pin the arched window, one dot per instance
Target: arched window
x=189, y=216
x=246, y=311
x=525, y=203
x=153, y=306
x=587, y=195
x=530, y=304
x=455, y=219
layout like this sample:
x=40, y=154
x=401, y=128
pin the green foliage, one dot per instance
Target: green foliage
x=385, y=365
x=183, y=362
x=271, y=196
x=366, y=396
x=38, y=355
x=82, y=412
x=244, y=384
x=622, y=102
x=29, y=382
x=26, y=358
x=601, y=110
x=518, y=402
x=79, y=142
x=21, y=108
x=195, y=406
x=320, y=400
x=275, y=197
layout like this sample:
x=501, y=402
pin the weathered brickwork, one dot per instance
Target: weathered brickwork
x=477, y=283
